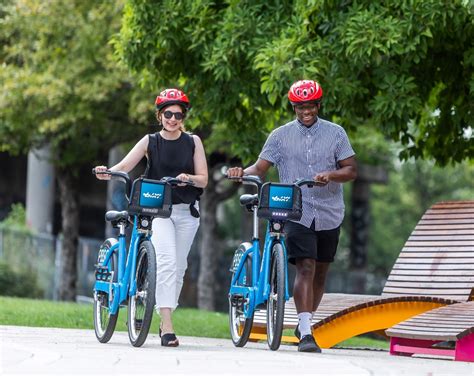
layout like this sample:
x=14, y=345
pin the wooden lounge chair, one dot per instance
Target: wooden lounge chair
x=430, y=332
x=435, y=268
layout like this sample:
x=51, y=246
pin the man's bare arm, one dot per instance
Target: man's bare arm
x=259, y=168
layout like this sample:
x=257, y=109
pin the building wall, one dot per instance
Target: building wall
x=12, y=182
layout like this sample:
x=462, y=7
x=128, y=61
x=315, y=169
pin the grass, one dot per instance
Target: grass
x=365, y=342
x=45, y=313
x=186, y=321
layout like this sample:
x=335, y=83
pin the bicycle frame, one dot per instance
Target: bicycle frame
x=259, y=291
x=126, y=283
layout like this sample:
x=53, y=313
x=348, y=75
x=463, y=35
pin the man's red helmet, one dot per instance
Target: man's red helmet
x=172, y=96
x=304, y=91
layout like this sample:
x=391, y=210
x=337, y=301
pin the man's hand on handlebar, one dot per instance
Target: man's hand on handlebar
x=321, y=179
x=235, y=172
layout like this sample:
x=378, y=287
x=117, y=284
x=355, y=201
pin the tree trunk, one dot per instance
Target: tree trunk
x=210, y=251
x=70, y=231
x=360, y=222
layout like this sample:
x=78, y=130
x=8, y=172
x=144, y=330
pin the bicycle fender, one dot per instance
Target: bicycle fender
x=113, y=246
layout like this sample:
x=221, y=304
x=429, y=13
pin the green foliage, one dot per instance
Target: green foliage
x=29, y=257
x=397, y=206
x=403, y=69
x=61, y=83
x=18, y=283
x=16, y=219
x=372, y=147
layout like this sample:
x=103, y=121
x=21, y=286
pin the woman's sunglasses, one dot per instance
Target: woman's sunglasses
x=177, y=115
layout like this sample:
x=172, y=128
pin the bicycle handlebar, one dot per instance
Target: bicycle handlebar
x=250, y=179
x=309, y=182
x=123, y=175
x=119, y=174
x=255, y=180
x=174, y=181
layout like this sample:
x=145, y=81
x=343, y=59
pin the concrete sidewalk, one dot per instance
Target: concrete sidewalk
x=69, y=351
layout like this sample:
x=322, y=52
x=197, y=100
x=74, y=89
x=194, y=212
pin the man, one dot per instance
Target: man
x=309, y=147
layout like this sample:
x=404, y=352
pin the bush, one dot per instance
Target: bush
x=16, y=219
x=18, y=283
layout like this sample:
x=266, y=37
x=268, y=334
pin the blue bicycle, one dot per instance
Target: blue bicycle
x=263, y=280
x=129, y=277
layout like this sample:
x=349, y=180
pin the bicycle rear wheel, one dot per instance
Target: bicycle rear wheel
x=276, y=299
x=141, y=305
x=240, y=326
x=104, y=321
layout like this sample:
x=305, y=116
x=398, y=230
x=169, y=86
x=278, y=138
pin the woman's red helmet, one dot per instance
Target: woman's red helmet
x=304, y=91
x=172, y=96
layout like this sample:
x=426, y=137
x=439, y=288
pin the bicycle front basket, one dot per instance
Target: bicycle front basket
x=150, y=197
x=280, y=202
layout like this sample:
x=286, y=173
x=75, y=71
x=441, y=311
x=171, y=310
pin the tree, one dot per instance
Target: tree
x=399, y=205
x=62, y=86
x=403, y=69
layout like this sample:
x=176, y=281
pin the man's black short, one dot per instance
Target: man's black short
x=304, y=242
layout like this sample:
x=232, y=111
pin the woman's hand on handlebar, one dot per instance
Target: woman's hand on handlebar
x=184, y=178
x=99, y=173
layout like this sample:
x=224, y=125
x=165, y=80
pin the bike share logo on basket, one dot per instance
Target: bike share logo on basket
x=281, y=198
x=152, y=195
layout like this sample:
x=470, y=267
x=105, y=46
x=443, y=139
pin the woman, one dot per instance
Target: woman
x=171, y=152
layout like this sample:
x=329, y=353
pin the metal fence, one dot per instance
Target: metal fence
x=37, y=254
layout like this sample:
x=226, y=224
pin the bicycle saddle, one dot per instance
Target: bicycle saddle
x=113, y=215
x=247, y=199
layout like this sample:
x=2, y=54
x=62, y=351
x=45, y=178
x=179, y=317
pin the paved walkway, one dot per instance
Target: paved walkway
x=69, y=351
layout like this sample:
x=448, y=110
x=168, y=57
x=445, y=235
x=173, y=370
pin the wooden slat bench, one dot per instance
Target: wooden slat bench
x=427, y=332
x=435, y=268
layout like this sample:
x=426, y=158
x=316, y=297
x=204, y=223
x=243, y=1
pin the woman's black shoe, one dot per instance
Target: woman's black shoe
x=169, y=340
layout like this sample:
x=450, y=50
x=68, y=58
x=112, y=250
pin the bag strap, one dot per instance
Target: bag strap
x=194, y=212
x=152, y=144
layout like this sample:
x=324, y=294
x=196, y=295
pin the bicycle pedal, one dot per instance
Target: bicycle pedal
x=138, y=324
x=236, y=299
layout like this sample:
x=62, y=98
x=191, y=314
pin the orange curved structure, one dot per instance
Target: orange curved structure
x=435, y=268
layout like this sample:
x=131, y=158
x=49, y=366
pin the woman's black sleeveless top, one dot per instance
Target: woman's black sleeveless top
x=171, y=158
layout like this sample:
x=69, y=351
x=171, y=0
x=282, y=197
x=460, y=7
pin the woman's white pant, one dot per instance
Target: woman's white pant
x=172, y=238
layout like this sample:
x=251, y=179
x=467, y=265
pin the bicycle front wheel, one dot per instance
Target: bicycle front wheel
x=141, y=305
x=240, y=326
x=104, y=321
x=276, y=299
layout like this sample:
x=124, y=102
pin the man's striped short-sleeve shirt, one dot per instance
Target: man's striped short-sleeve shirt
x=301, y=152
